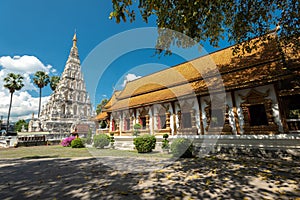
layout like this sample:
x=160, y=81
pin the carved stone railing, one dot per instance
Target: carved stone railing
x=294, y=125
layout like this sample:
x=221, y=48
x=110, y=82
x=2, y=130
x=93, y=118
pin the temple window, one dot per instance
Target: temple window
x=257, y=115
x=257, y=112
x=113, y=125
x=75, y=110
x=63, y=108
x=142, y=121
x=127, y=124
x=161, y=121
x=217, y=119
x=85, y=111
x=186, y=120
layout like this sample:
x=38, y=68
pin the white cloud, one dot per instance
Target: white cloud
x=128, y=78
x=26, y=64
x=23, y=104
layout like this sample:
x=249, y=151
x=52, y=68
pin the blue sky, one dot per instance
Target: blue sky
x=37, y=35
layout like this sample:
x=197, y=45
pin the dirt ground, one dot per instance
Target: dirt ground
x=214, y=177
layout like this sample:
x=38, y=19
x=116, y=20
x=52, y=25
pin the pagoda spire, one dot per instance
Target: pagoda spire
x=75, y=40
x=74, y=57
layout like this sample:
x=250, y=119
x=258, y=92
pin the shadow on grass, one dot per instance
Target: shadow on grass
x=39, y=157
x=90, y=178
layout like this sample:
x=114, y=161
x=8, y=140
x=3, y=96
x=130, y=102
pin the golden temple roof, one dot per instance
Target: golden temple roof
x=215, y=71
x=111, y=101
x=101, y=116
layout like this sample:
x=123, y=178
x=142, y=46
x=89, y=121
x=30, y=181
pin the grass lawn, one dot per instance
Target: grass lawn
x=57, y=151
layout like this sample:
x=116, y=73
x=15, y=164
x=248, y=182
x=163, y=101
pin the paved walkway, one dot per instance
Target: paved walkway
x=131, y=178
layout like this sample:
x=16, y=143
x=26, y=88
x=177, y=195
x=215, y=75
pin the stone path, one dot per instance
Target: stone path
x=131, y=178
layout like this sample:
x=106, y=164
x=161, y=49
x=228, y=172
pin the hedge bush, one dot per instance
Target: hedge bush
x=77, y=143
x=84, y=140
x=182, y=148
x=101, y=140
x=144, y=143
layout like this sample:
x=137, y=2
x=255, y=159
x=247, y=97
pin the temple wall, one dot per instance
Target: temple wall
x=177, y=108
x=151, y=121
x=197, y=113
x=192, y=104
x=231, y=113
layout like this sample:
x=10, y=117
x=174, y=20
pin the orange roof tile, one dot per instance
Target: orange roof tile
x=261, y=66
x=101, y=116
x=112, y=100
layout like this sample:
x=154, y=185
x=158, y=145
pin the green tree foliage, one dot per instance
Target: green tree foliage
x=233, y=20
x=101, y=105
x=20, y=124
x=41, y=79
x=13, y=82
x=54, y=80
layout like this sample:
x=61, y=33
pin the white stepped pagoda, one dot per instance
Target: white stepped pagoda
x=69, y=106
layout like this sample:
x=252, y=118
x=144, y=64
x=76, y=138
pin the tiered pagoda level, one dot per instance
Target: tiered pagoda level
x=69, y=105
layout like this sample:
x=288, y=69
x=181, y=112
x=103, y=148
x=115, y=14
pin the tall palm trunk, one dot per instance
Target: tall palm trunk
x=40, y=102
x=8, y=115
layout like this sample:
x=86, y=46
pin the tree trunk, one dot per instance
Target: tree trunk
x=8, y=115
x=40, y=102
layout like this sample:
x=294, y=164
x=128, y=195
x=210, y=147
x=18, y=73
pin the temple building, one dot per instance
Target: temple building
x=220, y=93
x=69, y=106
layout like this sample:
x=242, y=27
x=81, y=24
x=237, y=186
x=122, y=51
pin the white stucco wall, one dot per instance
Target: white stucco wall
x=203, y=101
x=231, y=113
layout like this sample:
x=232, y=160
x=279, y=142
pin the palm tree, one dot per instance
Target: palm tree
x=54, y=82
x=41, y=80
x=13, y=82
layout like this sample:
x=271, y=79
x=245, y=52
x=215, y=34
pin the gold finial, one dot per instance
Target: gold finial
x=74, y=39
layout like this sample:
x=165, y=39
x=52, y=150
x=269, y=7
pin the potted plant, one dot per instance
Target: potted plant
x=112, y=141
x=165, y=143
x=136, y=128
